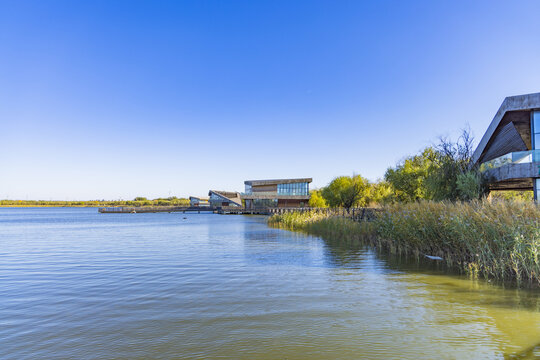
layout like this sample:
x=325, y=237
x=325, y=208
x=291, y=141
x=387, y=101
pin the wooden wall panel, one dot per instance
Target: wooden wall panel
x=264, y=188
x=292, y=203
x=507, y=140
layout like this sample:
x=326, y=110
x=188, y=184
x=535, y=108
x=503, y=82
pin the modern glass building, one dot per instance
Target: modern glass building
x=224, y=198
x=276, y=193
x=509, y=152
x=199, y=201
x=535, y=130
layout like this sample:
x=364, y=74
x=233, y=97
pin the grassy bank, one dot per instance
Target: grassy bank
x=499, y=240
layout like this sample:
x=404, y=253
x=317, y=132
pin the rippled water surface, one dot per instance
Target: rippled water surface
x=78, y=284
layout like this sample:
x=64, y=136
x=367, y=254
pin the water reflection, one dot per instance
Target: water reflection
x=505, y=312
x=77, y=284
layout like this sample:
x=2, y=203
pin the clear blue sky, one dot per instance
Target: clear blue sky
x=117, y=99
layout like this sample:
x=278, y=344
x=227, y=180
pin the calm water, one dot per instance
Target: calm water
x=78, y=284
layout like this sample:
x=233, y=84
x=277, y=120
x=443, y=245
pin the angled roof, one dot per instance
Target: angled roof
x=203, y=198
x=233, y=197
x=277, y=181
x=511, y=103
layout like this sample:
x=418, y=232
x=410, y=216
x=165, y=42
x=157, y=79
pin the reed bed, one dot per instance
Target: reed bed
x=499, y=239
x=328, y=226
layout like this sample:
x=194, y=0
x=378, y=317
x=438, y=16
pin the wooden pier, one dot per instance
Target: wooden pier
x=235, y=210
x=224, y=210
x=154, y=209
x=357, y=214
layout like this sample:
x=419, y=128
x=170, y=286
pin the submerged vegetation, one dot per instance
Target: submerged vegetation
x=137, y=202
x=499, y=239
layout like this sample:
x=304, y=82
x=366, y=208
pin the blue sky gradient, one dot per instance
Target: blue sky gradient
x=117, y=99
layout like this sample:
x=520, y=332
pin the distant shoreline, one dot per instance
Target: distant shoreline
x=25, y=206
x=139, y=202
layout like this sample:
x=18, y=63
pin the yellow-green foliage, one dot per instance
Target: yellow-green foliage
x=498, y=240
x=526, y=195
x=408, y=178
x=316, y=199
x=347, y=191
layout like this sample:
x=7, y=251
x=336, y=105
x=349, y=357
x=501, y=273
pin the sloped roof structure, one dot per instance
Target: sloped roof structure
x=509, y=130
x=202, y=198
x=230, y=196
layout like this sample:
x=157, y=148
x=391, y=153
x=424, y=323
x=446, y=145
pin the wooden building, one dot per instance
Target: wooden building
x=224, y=198
x=199, y=201
x=276, y=193
x=509, y=152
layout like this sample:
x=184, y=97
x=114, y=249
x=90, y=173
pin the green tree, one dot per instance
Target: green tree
x=346, y=191
x=470, y=185
x=140, y=198
x=408, y=178
x=382, y=193
x=452, y=176
x=316, y=199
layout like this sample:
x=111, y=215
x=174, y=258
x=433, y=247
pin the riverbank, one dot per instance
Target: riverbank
x=496, y=240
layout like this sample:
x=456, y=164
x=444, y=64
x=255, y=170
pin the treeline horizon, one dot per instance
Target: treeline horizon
x=136, y=202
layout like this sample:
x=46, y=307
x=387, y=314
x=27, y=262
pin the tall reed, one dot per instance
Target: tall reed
x=499, y=239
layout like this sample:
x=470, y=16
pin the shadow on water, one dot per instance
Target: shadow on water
x=513, y=310
x=339, y=254
x=455, y=298
x=460, y=285
x=530, y=353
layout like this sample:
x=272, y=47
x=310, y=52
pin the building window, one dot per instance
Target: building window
x=293, y=189
x=264, y=203
x=536, y=130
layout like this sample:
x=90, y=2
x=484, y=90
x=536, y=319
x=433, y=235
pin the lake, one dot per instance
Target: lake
x=78, y=284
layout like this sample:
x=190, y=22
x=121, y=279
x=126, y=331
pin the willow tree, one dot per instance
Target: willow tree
x=347, y=191
x=316, y=200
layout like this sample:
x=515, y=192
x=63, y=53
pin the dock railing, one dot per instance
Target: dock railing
x=357, y=214
x=154, y=209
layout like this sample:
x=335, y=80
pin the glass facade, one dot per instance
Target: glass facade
x=518, y=157
x=264, y=203
x=248, y=189
x=293, y=189
x=217, y=200
x=536, y=130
